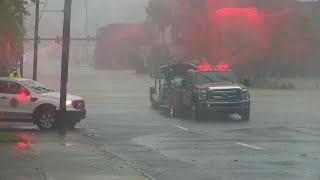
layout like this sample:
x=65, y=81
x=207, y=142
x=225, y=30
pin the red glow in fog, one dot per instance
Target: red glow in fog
x=24, y=135
x=22, y=144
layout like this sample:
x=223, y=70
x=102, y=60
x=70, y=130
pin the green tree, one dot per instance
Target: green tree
x=12, y=13
x=11, y=17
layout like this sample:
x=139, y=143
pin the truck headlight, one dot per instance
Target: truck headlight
x=69, y=103
x=245, y=94
x=202, y=93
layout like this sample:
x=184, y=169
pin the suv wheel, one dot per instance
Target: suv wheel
x=46, y=118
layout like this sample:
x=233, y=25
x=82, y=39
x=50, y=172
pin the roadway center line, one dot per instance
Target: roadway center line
x=249, y=146
x=182, y=128
x=87, y=158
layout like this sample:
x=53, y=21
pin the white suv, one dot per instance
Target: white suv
x=24, y=100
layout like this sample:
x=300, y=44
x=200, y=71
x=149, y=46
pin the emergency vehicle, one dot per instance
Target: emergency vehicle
x=25, y=100
x=200, y=89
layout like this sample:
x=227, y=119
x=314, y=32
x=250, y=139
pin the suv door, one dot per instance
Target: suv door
x=3, y=99
x=15, y=101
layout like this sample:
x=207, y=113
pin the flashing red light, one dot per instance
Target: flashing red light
x=222, y=67
x=23, y=95
x=204, y=67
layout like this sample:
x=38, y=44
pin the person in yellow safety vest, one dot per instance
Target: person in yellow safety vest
x=14, y=74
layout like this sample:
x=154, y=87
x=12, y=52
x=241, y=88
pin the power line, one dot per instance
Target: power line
x=41, y=15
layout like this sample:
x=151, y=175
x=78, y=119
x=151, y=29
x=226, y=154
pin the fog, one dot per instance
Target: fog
x=100, y=13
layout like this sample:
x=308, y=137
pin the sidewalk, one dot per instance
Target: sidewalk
x=18, y=162
x=48, y=155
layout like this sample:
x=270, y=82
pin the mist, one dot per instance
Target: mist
x=100, y=13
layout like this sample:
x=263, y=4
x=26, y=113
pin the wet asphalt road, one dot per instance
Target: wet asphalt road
x=281, y=141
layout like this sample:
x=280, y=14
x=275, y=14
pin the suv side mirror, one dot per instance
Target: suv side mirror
x=246, y=82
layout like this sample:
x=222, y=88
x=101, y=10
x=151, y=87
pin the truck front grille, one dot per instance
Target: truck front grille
x=225, y=95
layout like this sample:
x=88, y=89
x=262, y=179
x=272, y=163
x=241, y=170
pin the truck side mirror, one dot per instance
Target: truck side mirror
x=246, y=82
x=183, y=83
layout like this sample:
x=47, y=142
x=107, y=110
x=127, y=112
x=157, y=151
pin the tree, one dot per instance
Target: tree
x=12, y=13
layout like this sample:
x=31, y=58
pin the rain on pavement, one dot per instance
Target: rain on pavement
x=279, y=142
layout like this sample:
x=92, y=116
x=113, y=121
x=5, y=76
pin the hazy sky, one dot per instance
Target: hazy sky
x=100, y=13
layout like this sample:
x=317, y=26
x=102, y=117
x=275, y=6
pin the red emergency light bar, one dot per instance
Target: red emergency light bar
x=222, y=67
x=204, y=67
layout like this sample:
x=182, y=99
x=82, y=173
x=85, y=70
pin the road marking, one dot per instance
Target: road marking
x=182, y=128
x=304, y=130
x=87, y=158
x=250, y=146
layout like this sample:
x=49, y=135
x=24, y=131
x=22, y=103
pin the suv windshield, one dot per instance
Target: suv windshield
x=216, y=77
x=36, y=87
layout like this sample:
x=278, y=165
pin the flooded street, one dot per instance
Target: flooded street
x=279, y=142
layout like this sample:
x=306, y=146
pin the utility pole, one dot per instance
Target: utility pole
x=62, y=114
x=36, y=37
x=86, y=32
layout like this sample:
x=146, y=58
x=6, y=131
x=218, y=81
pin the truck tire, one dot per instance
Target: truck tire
x=172, y=112
x=154, y=105
x=196, y=112
x=71, y=125
x=245, y=115
x=45, y=117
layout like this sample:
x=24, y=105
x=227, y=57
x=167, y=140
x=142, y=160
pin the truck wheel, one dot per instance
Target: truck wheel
x=71, y=125
x=173, y=112
x=245, y=115
x=196, y=114
x=46, y=117
x=154, y=105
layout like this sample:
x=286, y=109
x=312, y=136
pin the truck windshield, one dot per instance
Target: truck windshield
x=216, y=77
x=36, y=87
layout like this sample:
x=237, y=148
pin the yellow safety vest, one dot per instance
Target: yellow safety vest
x=14, y=74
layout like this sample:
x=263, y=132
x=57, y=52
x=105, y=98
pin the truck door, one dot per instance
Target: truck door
x=187, y=89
